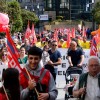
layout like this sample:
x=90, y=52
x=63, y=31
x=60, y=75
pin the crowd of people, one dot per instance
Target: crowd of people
x=38, y=79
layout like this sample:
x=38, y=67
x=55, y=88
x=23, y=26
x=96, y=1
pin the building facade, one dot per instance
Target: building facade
x=70, y=9
x=59, y=6
x=36, y=6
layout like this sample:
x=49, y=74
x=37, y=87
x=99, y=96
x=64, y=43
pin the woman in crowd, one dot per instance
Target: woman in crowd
x=11, y=87
x=3, y=57
x=23, y=57
x=45, y=55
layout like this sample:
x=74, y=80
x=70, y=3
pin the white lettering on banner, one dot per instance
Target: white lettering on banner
x=63, y=67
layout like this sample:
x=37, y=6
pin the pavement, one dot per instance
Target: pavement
x=61, y=92
x=61, y=95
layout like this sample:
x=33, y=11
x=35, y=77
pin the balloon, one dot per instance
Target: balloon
x=98, y=31
x=94, y=32
x=3, y=28
x=4, y=19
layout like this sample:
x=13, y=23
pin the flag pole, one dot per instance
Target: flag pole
x=5, y=91
x=31, y=79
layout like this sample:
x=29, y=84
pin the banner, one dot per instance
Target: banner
x=63, y=67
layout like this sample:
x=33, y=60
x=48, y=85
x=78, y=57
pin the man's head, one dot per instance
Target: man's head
x=94, y=65
x=34, y=56
x=27, y=42
x=54, y=45
x=84, y=39
x=73, y=45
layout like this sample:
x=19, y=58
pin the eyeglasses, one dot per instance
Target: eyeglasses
x=96, y=65
x=46, y=48
x=4, y=55
x=54, y=45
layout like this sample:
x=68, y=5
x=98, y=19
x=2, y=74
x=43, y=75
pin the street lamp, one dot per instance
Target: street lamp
x=70, y=10
x=25, y=7
x=38, y=6
x=90, y=5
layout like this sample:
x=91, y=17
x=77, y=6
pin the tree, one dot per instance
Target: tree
x=28, y=15
x=96, y=12
x=3, y=6
x=14, y=12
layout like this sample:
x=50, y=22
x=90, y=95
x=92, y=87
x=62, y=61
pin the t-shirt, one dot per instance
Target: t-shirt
x=54, y=56
x=85, y=45
x=38, y=44
x=75, y=56
x=23, y=61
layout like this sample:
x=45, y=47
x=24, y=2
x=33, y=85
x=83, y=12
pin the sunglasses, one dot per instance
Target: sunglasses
x=54, y=45
x=4, y=55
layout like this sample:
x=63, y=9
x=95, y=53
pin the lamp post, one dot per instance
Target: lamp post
x=90, y=5
x=70, y=11
x=38, y=16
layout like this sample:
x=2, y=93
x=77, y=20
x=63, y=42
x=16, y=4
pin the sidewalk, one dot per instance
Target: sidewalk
x=61, y=92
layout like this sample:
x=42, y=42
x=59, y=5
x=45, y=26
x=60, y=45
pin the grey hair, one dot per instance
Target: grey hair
x=95, y=58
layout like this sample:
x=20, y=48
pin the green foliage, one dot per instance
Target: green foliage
x=96, y=12
x=14, y=12
x=28, y=15
x=18, y=17
x=3, y=6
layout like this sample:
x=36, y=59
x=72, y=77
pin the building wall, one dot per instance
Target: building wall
x=97, y=1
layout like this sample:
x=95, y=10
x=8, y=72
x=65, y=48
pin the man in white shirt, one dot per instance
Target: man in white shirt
x=87, y=86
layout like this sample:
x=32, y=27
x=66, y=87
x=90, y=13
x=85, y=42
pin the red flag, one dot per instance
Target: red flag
x=68, y=40
x=10, y=43
x=33, y=34
x=55, y=35
x=93, y=49
x=28, y=31
x=13, y=61
x=12, y=53
x=73, y=32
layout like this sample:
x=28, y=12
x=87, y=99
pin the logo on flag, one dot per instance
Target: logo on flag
x=12, y=53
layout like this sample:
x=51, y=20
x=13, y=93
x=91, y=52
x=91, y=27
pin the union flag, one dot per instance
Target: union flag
x=12, y=53
x=93, y=49
x=28, y=31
